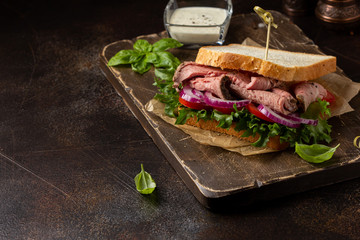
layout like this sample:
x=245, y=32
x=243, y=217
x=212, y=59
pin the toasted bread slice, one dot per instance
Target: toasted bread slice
x=211, y=125
x=280, y=65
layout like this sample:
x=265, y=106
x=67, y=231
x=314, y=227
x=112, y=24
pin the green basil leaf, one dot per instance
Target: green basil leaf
x=315, y=153
x=142, y=45
x=141, y=66
x=166, y=60
x=152, y=57
x=165, y=44
x=126, y=56
x=145, y=184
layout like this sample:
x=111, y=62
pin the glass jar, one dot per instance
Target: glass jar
x=200, y=22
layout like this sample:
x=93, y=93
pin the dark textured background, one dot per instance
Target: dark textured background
x=70, y=147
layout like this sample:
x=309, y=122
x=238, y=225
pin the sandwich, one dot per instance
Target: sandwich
x=272, y=103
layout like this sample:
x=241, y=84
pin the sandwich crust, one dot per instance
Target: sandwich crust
x=280, y=65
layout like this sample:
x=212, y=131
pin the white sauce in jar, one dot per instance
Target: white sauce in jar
x=193, y=18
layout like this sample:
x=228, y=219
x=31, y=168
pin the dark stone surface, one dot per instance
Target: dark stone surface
x=70, y=147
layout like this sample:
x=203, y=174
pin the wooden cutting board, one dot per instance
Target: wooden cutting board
x=223, y=179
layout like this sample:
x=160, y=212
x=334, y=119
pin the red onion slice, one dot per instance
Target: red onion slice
x=188, y=95
x=198, y=93
x=301, y=120
x=213, y=101
x=277, y=117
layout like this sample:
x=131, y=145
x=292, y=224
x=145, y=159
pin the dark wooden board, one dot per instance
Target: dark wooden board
x=222, y=179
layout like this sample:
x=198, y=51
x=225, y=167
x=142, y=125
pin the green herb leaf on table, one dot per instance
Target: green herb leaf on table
x=166, y=60
x=127, y=56
x=141, y=66
x=315, y=153
x=141, y=45
x=145, y=184
x=151, y=57
x=165, y=44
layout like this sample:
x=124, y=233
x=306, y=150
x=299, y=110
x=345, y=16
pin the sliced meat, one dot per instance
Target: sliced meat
x=278, y=102
x=290, y=103
x=263, y=83
x=189, y=70
x=308, y=92
x=241, y=79
x=217, y=85
x=262, y=90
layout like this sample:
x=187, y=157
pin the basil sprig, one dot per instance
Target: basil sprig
x=145, y=55
x=145, y=184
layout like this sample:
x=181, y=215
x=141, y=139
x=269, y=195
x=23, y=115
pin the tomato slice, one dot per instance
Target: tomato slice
x=200, y=106
x=253, y=109
x=330, y=98
x=192, y=105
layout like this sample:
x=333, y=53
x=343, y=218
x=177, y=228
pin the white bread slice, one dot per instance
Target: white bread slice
x=280, y=65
